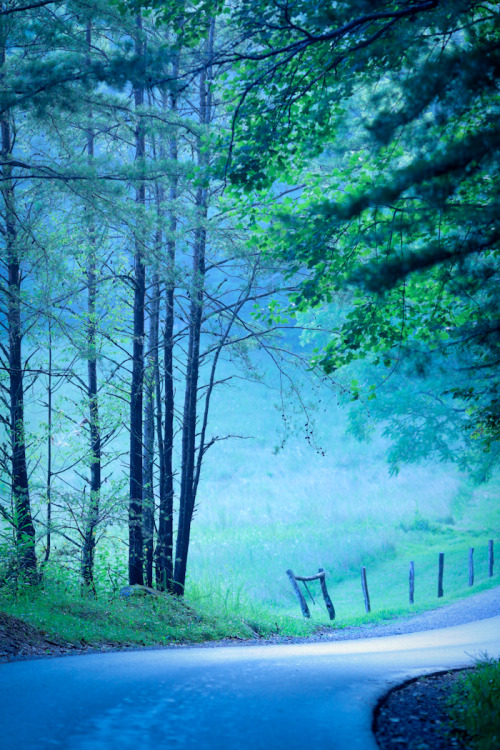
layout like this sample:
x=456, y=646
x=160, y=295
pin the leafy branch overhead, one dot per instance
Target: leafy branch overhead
x=388, y=113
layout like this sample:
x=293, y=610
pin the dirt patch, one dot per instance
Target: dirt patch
x=415, y=716
x=19, y=640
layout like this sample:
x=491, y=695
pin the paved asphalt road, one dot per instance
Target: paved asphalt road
x=314, y=695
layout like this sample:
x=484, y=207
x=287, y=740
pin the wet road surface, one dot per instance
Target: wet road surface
x=317, y=695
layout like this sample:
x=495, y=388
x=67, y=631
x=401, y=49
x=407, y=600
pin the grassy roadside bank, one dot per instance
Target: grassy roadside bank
x=64, y=617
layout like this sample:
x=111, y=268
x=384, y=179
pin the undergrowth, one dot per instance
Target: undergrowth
x=142, y=619
x=475, y=706
x=209, y=612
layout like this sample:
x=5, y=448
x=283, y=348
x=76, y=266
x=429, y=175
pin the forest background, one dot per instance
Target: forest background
x=229, y=233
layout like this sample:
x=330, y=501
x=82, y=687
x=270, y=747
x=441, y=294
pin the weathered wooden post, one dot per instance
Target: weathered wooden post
x=490, y=558
x=302, y=601
x=471, y=566
x=412, y=582
x=440, y=574
x=364, y=586
x=326, y=597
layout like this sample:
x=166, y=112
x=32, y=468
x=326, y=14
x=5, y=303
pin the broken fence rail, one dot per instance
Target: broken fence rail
x=321, y=576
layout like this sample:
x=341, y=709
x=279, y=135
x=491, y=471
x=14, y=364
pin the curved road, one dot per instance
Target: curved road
x=317, y=695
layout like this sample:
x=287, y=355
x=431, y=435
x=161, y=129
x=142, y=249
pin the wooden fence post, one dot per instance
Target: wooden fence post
x=490, y=558
x=302, y=601
x=326, y=597
x=471, y=566
x=440, y=574
x=364, y=586
x=412, y=582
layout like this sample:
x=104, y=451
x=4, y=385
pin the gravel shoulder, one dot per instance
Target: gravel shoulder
x=414, y=716
x=476, y=607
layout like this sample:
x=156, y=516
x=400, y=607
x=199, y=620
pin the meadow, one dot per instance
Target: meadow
x=329, y=501
x=294, y=490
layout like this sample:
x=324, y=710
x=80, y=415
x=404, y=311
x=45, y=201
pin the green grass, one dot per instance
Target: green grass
x=218, y=610
x=254, y=559
x=66, y=616
x=138, y=621
x=260, y=513
x=387, y=570
x=388, y=580
x=475, y=706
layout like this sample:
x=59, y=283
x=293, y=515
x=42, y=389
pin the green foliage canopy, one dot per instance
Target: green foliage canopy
x=387, y=115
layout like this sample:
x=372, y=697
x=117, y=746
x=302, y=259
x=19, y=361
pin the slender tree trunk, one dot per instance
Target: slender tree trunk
x=88, y=548
x=165, y=542
x=189, y=423
x=95, y=431
x=164, y=547
x=187, y=499
x=148, y=500
x=48, y=491
x=136, y=551
x=25, y=530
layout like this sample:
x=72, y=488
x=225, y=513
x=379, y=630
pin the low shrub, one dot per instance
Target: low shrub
x=475, y=706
